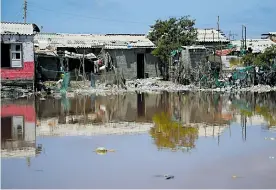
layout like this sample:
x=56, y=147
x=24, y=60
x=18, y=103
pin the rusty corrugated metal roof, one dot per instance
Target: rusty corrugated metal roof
x=18, y=28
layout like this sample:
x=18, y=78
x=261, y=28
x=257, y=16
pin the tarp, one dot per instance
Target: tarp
x=174, y=52
x=79, y=56
x=223, y=52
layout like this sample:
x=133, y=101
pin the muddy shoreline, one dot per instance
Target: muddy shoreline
x=150, y=85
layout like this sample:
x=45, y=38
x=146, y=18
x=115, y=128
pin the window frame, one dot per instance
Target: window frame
x=12, y=51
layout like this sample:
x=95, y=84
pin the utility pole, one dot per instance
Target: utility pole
x=242, y=44
x=25, y=11
x=219, y=41
x=218, y=34
x=245, y=37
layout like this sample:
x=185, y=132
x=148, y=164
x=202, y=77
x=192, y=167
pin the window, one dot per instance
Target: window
x=16, y=55
x=11, y=55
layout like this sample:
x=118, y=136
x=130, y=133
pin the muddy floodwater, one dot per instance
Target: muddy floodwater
x=203, y=140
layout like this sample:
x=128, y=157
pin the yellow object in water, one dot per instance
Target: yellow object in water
x=102, y=150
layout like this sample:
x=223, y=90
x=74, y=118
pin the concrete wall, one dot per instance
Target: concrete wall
x=27, y=71
x=126, y=60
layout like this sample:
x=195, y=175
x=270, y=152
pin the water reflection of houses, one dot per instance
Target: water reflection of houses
x=18, y=135
x=95, y=114
x=99, y=113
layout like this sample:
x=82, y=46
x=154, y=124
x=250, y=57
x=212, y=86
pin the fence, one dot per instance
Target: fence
x=108, y=78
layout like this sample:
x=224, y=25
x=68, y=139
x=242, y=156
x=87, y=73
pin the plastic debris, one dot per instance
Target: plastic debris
x=271, y=157
x=102, y=150
x=270, y=138
x=235, y=177
x=169, y=177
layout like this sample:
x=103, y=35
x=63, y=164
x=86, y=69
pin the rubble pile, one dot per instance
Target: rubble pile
x=257, y=88
x=156, y=85
x=149, y=85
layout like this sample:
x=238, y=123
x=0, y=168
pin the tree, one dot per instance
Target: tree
x=170, y=134
x=261, y=59
x=169, y=35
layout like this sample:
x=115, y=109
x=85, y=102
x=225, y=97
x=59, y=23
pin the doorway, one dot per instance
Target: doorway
x=140, y=65
x=141, y=105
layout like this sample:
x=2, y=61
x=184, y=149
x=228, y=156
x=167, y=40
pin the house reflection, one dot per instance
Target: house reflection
x=211, y=113
x=18, y=129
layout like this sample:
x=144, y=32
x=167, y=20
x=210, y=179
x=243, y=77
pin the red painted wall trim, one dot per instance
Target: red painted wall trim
x=26, y=72
x=28, y=111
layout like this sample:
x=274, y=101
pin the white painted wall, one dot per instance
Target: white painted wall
x=30, y=131
x=27, y=45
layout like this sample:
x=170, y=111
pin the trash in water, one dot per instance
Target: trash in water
x=271, y=157
x=167, y=177
x=271, y=138
x=39, y=170
x=235, y=177
x=102, y=150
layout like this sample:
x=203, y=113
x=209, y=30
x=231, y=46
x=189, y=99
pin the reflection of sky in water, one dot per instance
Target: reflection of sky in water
x=70, y=162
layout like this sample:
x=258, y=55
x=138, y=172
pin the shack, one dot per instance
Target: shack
x=187, y=61
x=130, y=53
x=270, y=35
x=210, y=38
x=17, y=53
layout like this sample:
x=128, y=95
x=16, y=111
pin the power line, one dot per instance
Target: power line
x=95, y=18
x=25, y=11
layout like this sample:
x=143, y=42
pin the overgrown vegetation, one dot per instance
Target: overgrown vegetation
x=261, y=59
x=169, y=35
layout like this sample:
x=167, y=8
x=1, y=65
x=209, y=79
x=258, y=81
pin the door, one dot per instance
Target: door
x=140, y=65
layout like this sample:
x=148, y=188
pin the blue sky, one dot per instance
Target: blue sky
x=135, y=16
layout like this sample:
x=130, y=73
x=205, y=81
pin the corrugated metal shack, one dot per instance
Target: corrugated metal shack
x=129, y=52
x=17, y=53
x=211, y=37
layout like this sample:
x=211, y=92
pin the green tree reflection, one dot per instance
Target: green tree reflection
x=168, y=134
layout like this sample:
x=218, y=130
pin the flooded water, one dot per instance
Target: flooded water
x=205, y=140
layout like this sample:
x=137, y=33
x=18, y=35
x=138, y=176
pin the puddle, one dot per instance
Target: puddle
x=195, y=139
